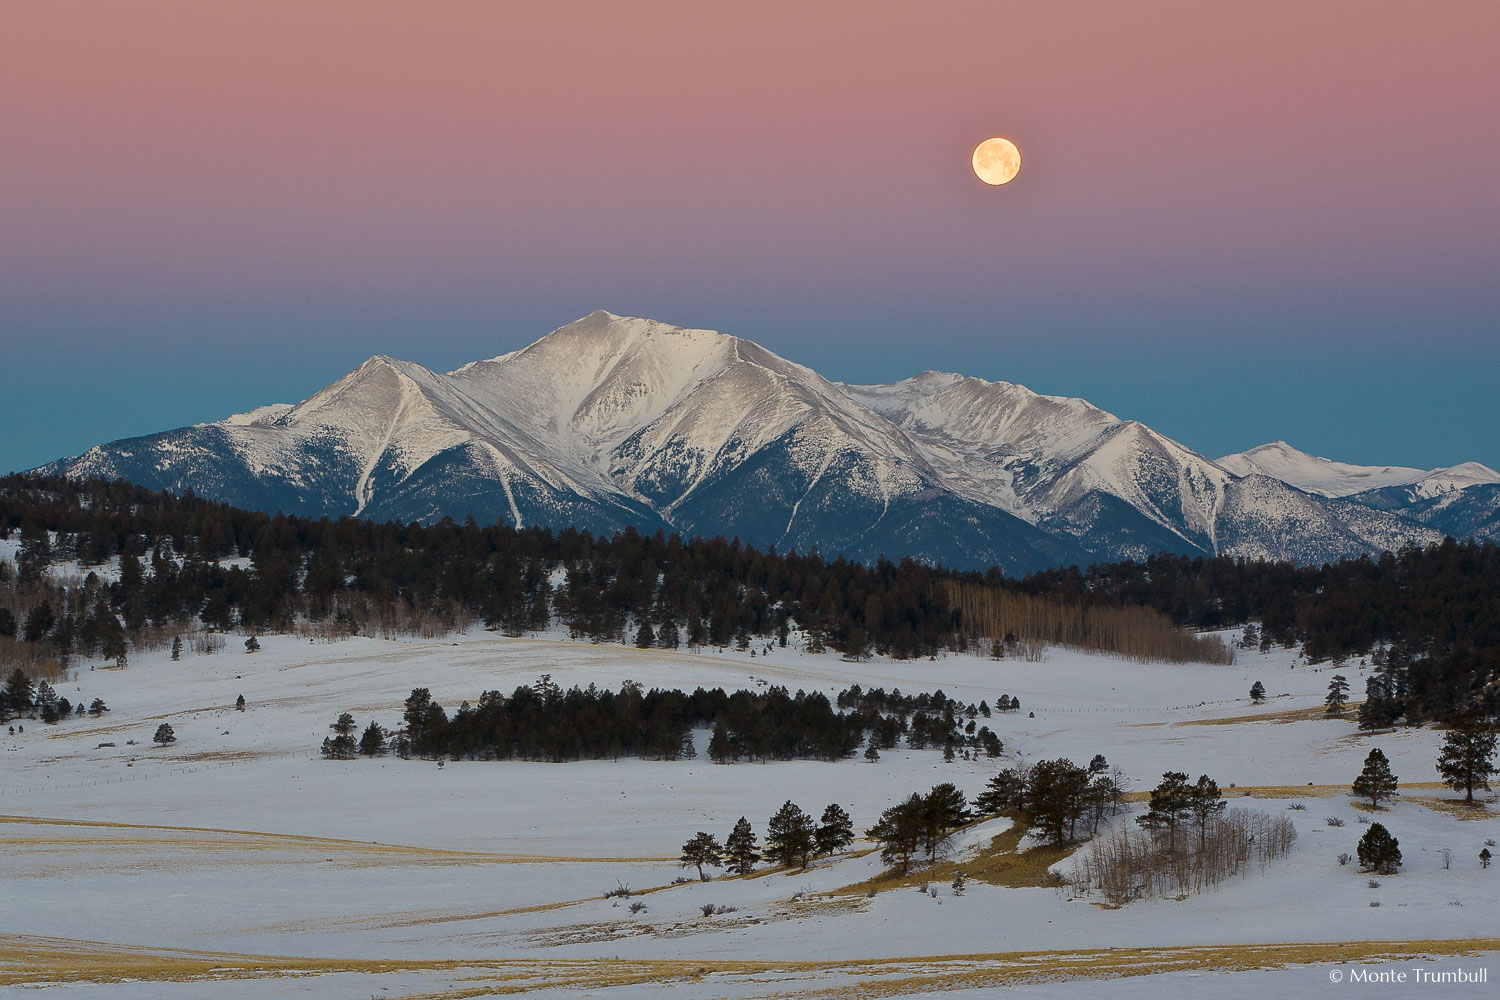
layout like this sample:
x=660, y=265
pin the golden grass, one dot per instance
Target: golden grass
x=33, y=961
x=997, y=863
x=1455, y=807
x=1313, y=712
x=208, y=839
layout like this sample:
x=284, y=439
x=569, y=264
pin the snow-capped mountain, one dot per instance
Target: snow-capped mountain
x=614, y=420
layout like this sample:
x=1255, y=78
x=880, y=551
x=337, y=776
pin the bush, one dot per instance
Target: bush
x=637, y=907
x=1345, y=858
x=1335, y=821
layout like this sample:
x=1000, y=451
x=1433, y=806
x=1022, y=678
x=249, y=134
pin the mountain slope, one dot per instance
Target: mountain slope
x=614, y=420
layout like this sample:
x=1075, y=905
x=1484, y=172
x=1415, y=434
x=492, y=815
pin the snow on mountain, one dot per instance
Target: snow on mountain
x=616, y=420
x=1312, y=474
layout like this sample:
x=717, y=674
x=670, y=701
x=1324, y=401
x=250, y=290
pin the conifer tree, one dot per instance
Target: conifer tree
x=1004, y=792
x=944, y=810
x=1170, y=804
x=1467, y=759
x=1378, y=851
x=1338, y=695
x=1257, y=692
x=372, y=741
x=835, y=832
x=871, y=753
x=739, y=848
x=164, y=734
x=1376, y=781
x=1204, y=803
x=720, y=747
x=702, y=849
x=239, y=703
x=789, y=837
x=899, y=832
x=176, y=647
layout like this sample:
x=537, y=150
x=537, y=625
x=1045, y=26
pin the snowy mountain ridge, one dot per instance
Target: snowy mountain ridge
x=613, y=420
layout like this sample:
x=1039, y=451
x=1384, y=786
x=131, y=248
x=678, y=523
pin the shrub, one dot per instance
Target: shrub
x=1345, y=858
x=1335, y=821
x=638, y=907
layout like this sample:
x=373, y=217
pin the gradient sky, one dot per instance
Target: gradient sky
x=1235, y=221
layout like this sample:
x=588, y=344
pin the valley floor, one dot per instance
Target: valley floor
x=238, y=863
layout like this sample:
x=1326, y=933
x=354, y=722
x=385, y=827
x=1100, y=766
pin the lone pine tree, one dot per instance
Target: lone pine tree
x=1376, y=781
x=1338, y=695
x=1379, y=851
x=164, y=734
x=1467, y=759
x=1257, y=691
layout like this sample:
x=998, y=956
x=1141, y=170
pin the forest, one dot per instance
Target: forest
x=182, y=565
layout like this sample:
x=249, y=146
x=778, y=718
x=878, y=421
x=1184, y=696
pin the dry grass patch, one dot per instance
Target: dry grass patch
x=1455, y=807
x=1351, y=712
x=997, y=863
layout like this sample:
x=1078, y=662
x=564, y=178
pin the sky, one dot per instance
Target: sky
x=1235, y=221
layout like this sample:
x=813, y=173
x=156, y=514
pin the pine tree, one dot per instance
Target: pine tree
x=1056, y=798
x=1204, y=803
x=702, y=849
x=789, y=837
x=835, y=832
x=252, y=645
x=372, y=741
x=239, y=703
x=1467, y=759
x=19, y=694
x=871, y=754
x=644, y=638
x=1338, y=695
x=176, y=647
x=720, y=747
x=1170, y=805
x=97, y=707
x=342, y=746
x=1257, y=692
x=164, y=734
x=899, y=833
x=1378, y=851
x=1004, y=792
x=1376, y=781
x=1484, y=857
x=739, y=848
x=944, y=810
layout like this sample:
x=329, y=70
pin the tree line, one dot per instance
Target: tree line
x=544, y=722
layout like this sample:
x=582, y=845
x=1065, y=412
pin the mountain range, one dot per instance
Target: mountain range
x=613, y=421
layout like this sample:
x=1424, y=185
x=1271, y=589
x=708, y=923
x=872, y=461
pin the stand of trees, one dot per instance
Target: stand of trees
x=545, y=723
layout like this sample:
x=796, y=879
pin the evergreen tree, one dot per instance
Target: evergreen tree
x=835, y=832
x=176, y=647
x=644, y=638
x=789, y=837
x=97, y=707
x=19, y=694
x=1056, y=798
x=871, y=753
x=1204, y=803
x=1003, y=793
x=1381, y=708
x=720, y=747
x=1378, y=851
x=702, y=849
x=1338, y=695
x=252, y=645
x=1171, y=803
x=342, y=746
x=739, y=848
x=164, y=734
x=7, y=623
x=372, y=741
x=944, y=810
x=1467, y=759
x=1376, y=781
x=1484, y=857
x=899, y=832
x=239, y=703
x=1257, y=692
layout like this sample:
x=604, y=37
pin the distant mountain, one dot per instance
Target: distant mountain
x=611, y=421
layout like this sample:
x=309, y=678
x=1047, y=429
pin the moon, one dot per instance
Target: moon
x=997, y=161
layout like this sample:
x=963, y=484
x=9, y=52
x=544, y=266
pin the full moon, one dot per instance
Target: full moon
x=997, y=161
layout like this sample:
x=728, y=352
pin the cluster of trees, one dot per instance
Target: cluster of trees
x=544, y=722
x=920, y=825
x=19, y=698
x=793, y=839
x=1056, y=798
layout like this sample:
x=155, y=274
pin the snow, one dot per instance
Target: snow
x=1313, y=474
x=239, y=840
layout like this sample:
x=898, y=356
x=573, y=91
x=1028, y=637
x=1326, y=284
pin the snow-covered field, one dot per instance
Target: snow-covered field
x=237, y=863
